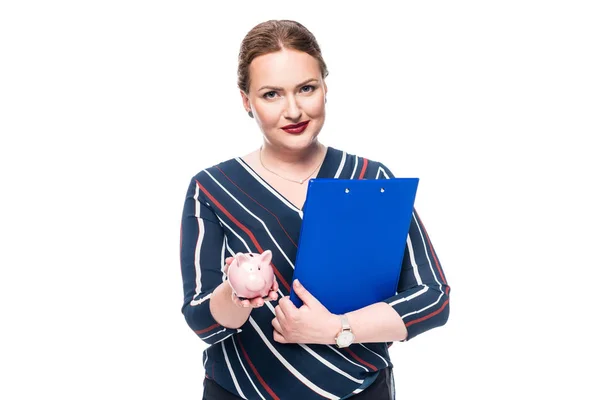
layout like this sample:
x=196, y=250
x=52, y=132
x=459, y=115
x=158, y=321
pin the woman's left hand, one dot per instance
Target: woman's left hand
x=311, y=323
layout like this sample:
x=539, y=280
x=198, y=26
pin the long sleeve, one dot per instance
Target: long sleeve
x=423, y=296
x=202, y=249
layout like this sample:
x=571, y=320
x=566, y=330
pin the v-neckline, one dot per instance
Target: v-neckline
x=256, y=176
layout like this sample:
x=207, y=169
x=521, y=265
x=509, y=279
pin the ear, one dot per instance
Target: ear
x=241, y=257
x=245, y=101
x=266, y=257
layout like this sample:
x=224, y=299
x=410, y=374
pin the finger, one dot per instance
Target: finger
x=257, y=302
x=304, y=295
x=278, y=337
x=273, y=296
x=277, y=326
x=279, y=315
x=245, y=303
x=228, y=260
x=238, y=302
x=275, y=286
x=287, y=307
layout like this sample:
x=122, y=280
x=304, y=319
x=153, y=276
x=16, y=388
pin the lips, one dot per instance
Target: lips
x=296, y=128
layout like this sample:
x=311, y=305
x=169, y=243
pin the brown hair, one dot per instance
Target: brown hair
x=272, y=36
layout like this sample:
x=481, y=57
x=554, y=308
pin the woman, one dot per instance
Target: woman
x=272, y=350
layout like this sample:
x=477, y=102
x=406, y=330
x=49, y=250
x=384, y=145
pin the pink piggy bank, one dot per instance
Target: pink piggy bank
x=251, y=275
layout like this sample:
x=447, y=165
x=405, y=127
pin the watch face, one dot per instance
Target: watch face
x=345, y=339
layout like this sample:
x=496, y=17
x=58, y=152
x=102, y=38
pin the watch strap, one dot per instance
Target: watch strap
x=345, y=323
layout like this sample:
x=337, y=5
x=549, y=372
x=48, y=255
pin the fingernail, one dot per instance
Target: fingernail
x=297, y=283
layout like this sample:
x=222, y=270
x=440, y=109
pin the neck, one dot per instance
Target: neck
x=292, y=160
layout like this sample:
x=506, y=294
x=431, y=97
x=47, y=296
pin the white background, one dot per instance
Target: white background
x=108, y=108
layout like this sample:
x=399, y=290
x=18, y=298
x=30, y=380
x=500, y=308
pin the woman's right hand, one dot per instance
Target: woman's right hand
x=257, y=301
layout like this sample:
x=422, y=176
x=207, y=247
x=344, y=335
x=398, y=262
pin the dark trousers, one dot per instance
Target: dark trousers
x=381, y=389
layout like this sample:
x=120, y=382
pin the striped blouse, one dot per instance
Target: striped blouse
x=228, y=209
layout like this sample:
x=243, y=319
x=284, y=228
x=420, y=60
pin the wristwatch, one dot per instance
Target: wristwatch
x=345, y=337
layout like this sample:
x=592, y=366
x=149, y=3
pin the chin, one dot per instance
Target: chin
x=299, y=142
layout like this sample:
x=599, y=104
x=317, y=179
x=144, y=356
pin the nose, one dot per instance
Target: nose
x=292, y=110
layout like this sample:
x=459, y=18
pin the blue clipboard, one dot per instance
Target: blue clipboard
x=352, y=240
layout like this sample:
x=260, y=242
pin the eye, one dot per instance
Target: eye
x=311, y=87
x=267, y=95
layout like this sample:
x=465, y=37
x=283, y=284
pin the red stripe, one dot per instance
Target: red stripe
x=364, y=168
x=260, y=379
x=267, y=210
x=439, y=310
x=242, y=227
x=207, y=329
x=360, y=360
x=437, y=264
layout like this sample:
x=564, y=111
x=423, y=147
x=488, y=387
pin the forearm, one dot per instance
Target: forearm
x=224, y=310
x=376, y=323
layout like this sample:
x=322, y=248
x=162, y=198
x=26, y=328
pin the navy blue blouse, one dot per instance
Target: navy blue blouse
x=228, y=209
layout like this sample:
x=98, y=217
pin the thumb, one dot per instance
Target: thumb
x=304, y=295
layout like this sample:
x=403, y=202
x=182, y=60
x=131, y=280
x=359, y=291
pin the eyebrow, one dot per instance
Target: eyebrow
x=279, y=88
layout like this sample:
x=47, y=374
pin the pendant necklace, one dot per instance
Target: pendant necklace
x=299, y=181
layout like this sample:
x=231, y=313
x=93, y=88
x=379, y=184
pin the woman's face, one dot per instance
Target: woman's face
x=287, y=88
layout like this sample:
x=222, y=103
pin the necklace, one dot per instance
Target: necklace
x=299, y=181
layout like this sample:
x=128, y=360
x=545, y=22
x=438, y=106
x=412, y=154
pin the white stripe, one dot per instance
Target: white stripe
x=425, y=288
x=198, y=242
x=426, y=252
x=355, y=165
x=381, y=170
x=386, y=363
x=235, y=382
x=321, y=359
x=229, y=249
x=289, y=366
x=412, y=296
x=426, y=307
x=341, y=167
x=226, y=337
x=244, y=368
x=267, y=186
x=347, y=359
x=216, y=333
x=255, y=217
x=235, y=233
x=201, y=300
x=393, y=384
x=411, y=253
x=223, y=276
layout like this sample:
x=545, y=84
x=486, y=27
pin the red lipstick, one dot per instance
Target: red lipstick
x=296, y=128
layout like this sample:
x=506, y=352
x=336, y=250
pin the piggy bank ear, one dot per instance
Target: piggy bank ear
x=266, y=257
x=241, y=258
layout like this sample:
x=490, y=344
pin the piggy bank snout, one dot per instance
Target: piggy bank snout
x=255, y=282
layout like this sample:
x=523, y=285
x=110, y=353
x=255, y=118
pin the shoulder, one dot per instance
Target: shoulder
x=211, y=178
x=217, y=171
x=360, y=166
